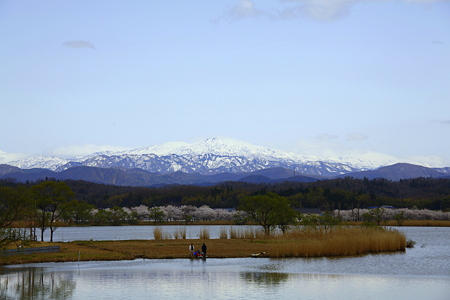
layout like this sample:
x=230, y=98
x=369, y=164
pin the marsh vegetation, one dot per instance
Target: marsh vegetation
x=297, y=242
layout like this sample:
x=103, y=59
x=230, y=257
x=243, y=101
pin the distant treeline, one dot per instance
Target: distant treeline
x=342, y=193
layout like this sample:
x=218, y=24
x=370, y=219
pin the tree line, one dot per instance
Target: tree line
x=42, y=204
x=342, y=193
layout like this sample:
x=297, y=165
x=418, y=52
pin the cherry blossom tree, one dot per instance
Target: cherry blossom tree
x=390, y=214
x=224, y=214
x=142, y=211
x=173, y=213
x=204, y=213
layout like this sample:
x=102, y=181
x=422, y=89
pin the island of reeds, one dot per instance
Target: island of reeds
x=283, y=231
x=233, y=243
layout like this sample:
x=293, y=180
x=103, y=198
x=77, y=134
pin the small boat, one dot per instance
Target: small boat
x=198, y=254
x=258, y=254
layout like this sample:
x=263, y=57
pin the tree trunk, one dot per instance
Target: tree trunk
x=51, y=234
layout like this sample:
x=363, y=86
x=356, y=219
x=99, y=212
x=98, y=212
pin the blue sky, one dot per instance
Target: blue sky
x=357, y=78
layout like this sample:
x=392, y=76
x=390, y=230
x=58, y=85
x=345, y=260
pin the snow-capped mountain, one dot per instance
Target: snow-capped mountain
x=216, y=146
x=211, y=156
x=42, y=162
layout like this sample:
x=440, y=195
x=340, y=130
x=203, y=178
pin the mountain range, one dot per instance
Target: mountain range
x=208, y=162
x=208, y=157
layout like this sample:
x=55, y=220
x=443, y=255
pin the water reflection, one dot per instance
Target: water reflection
x=210, y=279
x=266, y=279
x=33, y=283
x=418, y=273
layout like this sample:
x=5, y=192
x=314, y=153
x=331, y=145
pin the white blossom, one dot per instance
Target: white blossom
x=389, y=213
x=141, y=210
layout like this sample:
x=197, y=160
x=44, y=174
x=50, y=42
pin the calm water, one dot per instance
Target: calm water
x=419, y=273
x=108, y=233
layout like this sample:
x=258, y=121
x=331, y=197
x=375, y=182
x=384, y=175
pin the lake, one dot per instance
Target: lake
x=422, y=272
x=142, y=232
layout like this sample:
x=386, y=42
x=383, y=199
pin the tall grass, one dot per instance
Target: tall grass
x=233, y=233
x=339, y=241
x=298, y=242
x=431, y=223
x=223, y=233
x=248, y=233
x=157, y=233
x=204, y=233
x=180, y=233
x=421, y=223
x=245, y=233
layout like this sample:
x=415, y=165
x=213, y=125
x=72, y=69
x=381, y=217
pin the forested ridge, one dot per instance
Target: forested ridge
x=342, y=193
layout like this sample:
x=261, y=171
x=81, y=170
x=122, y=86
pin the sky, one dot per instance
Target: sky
x=333, y=78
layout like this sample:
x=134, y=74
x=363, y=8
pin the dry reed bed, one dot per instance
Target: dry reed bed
x=340, y=241
x=405, y=223
x=431, y=223
x=308, y=242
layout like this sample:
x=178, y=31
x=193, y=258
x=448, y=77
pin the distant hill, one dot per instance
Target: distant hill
x=275, y=173
x=256, y=179
x=134, y=187
x=7, y=169
x=397, y=172
x=23, y=175
x=139, y=177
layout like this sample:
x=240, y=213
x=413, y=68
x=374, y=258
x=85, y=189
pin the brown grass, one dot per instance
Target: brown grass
x=431, y=223
x=340, y=241
x=223, y=233
x=297, y=243
x=245, y=233
x=157, y=233
x=69, y=252
x=204, y=233
x=180, y=233
x=418, y=223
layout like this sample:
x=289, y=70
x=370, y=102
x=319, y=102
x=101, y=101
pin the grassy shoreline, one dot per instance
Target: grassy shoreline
x=342, y=241
x=405, y=223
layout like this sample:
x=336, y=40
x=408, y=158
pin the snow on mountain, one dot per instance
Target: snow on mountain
x=43, y=162
x=365, y=161
x=160, y=150
x=210, y=156
x=216, y=146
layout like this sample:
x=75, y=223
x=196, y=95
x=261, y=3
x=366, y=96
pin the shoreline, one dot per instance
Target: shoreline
x=340, y=242
x=390, y=223
x=79, y=251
